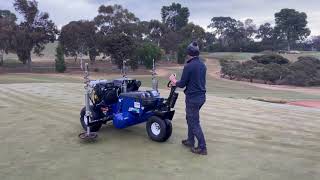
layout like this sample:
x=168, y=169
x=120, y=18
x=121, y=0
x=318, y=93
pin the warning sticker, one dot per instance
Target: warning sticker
x=136, y=105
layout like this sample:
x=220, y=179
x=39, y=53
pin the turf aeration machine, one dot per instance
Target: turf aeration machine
x=121, y=102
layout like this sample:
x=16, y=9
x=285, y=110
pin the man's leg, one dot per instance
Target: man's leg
x=190, y=131
x=194, y=121
x=190, y=139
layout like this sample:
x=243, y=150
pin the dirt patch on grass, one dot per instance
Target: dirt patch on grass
x=270, y=100
x=312, y=104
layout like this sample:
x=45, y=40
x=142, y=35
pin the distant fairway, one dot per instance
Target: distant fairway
x=216, y=87
x=231, y=55
x=241, y=56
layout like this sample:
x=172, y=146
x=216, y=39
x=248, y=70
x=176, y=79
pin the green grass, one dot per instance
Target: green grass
x=235, y=89
x=230, y=55
x=294, y=57
x=241, y=56
x=40, y=126
x=36, y=78
x=217, y=87
x=48, y=53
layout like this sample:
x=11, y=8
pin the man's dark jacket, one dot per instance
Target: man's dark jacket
x=194, y=79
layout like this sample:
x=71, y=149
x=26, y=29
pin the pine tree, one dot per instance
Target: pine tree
x=60, y=64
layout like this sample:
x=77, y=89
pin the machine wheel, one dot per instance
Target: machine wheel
x=94, y=128
x=169, y=129
x=157, y=129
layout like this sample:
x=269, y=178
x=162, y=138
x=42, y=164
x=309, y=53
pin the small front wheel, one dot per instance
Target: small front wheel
x=94, y=128
x=157, y=129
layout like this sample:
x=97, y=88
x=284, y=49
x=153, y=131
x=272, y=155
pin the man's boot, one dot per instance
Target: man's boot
x=187, y=143
x=201, y=151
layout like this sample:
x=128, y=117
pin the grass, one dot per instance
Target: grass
x=246, y=139
x=36, y=78
x=235, y=89
x=43, y=122
x=49, y=53
x=294, y=57
x=230, y=55
x=241, y=56
x=216, y=87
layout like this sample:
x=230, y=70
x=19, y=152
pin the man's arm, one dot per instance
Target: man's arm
x=184, y=78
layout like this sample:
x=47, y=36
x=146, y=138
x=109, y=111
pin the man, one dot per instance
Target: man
x=193, y=79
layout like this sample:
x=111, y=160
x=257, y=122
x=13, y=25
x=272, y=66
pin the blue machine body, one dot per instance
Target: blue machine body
x=130, y=107
x=134, y=108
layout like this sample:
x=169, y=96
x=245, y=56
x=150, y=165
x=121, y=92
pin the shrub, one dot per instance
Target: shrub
x=304, y=72
x=231, y=68
x=249, y=70
x=274, y=72
x=252, y=70
x=147, y=53
x=59, y=61
x=270, y=58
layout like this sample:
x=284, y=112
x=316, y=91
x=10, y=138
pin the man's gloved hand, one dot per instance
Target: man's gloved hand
x=173, y=79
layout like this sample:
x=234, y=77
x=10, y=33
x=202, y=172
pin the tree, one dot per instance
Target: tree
x=209, y=41
x=182, y=53
x=192, y=32
x=8, y=15
x=170, y=41
x=59, y=61
x=121, y=48
x=292, y=25
x=7, y=28
x=117, y=23
x=232, y=34
x=34, y=32
x=156, y=31
x=221, y=25
x=235, y=38
x=112, y=18
x=265, y=32
x=316, y=42
x=250, y=28
x=146, y=53
x=80, y=37
x=135, y=30
x=175, y=16
x=267, y=35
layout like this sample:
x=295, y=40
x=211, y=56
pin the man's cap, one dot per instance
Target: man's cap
x=193, y=49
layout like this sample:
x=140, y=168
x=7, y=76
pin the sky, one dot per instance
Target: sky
x=201, y=11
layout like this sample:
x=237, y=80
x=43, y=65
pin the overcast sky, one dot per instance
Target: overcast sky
x=201, y=11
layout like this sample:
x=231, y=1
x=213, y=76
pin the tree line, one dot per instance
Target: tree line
x=118, y=33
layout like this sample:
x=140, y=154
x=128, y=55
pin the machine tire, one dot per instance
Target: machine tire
x=157, y=129
x=94, y=128
x=169, y=129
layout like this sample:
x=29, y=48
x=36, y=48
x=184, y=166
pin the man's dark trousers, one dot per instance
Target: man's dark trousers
x=193, y=121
